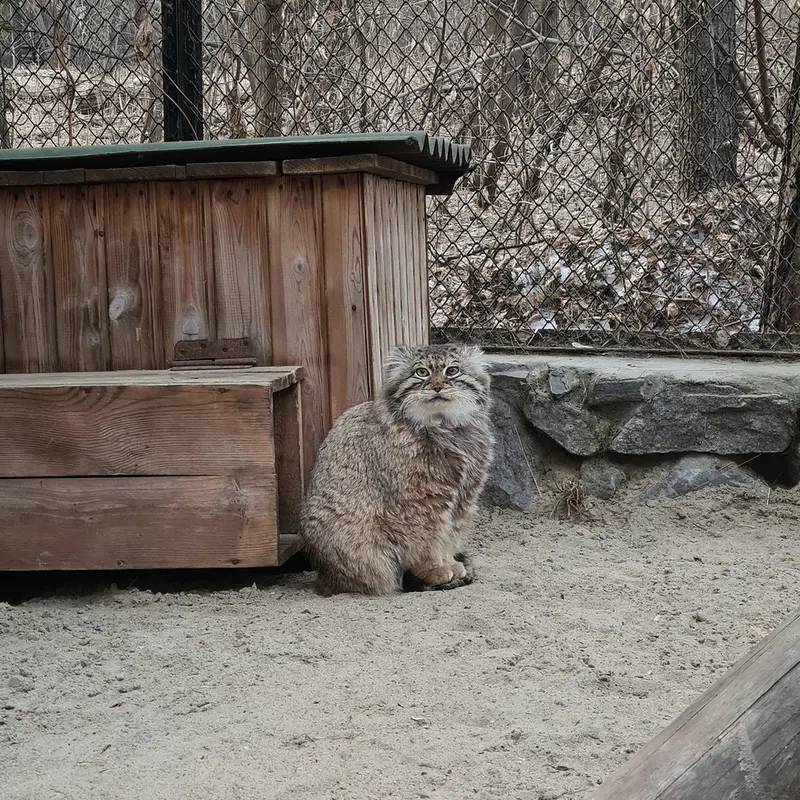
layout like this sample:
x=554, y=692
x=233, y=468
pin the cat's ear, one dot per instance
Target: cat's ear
x=399, y=356
x=473, y=354
x=398, y=360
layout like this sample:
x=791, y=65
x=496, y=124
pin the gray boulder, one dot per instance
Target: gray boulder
x=708, y=418
x=700, y=471
x=600, y=478
x=519, y=458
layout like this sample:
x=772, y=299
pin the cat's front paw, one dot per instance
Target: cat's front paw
x=449, y=576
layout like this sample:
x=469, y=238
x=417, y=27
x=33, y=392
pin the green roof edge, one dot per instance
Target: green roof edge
x=448, y=159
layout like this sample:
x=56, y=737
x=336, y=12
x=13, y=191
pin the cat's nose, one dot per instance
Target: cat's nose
x=437, y=387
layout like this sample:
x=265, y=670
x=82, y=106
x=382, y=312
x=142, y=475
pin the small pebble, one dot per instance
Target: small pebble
x=20, y=684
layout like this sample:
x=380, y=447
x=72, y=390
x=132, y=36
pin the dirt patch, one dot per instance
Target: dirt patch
x=578, y=643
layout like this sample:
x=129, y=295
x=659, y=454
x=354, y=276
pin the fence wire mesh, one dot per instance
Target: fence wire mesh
x=636, y=161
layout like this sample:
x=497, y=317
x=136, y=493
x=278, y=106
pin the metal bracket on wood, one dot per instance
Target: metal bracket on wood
x=211, y=354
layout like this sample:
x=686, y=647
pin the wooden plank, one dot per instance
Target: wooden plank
x=740, y=739
x=21, y=178
x=74, y=221
x=135, y=430
x=383, y=235
x=343, y=247
x=371, y=163
x=372, y=286
x=232, y=169
x=275, y=377
x=297, y=298
x=184, y=249
x=288, y=545
x=56, y=177
x=397, y=262
x=287, y=419
x=238, y=219
x=419, y=272
x=131, y=246
x=134, y=174
x=26, y=284
x=138, y=523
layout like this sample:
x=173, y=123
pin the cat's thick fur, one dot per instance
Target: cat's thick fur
x=397, y=478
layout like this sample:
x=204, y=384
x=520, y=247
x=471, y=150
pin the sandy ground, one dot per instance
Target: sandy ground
x=577, y=644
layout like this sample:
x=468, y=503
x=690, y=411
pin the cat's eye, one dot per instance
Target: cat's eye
x=422, y=372
x=451, y=372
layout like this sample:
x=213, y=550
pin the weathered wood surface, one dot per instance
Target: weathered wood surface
x=133, y=276
x=26, y=284
x=345, y=300
x=138, y=523
x=277, y=377
x=134, y=174
x=232, y=169
x=185, y=253
x=325, y=270
x=395, y=256
x=287, y=418
x=238, y=222
x=296, y=293
x=372, y=164
x=739, y=741
x=74, y=220
x=135, y=430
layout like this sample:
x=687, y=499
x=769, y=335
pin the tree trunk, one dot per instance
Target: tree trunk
x=708, y=136
x=264, y=60
x=148, y=55
x=739, y=741
x=781, y=311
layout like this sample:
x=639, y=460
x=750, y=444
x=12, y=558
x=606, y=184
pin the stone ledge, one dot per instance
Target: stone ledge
x=603, y=406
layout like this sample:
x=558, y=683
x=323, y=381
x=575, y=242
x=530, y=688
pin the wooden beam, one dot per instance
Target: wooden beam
x=71, y=431
x=232, y=169
x=127, y=174
x=739, y=741
x=277, y=377
x=287, y=423
x=373, y=164
x=138, y=523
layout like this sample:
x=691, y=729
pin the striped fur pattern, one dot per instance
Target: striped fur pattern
x=397, y=478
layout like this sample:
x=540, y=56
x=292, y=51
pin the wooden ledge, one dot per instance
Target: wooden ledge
x=200, y=171
x=276, y=377
x=374, y=164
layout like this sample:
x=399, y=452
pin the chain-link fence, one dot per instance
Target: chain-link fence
x=636, y=161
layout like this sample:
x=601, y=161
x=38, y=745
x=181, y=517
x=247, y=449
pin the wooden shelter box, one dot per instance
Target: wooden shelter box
x=311, y=250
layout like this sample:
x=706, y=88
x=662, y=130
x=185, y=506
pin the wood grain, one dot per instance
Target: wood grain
x=238, y=220
x=136, y=430
x=232, y=169
x=373, y=291
x=163, y=172
x=370, y=163
x=418, y=264
x=287, y=416
x=26, y=284
x=296, y=292
x=131, y=252
x=21, y=177
x=75, y=225
x=184, y=249
x=138, y=523
x=56, y=177
x=276, y=377
x=343, y=248
x=739, y=741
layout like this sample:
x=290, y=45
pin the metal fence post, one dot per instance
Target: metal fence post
x=181, y=22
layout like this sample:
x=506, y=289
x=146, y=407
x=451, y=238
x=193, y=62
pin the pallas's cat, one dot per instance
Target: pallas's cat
x=398, y=477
